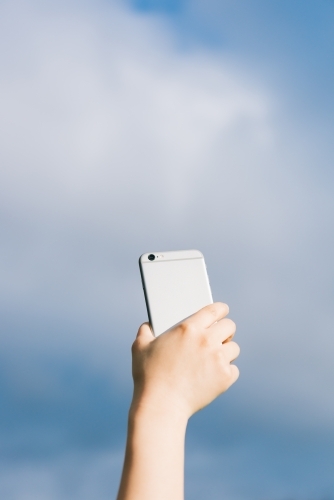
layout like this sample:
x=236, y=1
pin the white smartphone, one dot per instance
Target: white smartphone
x=176, y=285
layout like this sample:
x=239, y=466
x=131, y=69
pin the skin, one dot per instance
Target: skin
x=175, y=375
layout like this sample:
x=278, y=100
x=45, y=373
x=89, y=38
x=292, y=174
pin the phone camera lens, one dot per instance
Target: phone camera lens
x=151, y=256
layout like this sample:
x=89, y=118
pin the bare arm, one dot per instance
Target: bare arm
x=175, y=375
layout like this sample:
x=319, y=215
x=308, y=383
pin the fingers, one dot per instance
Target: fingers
x=231, y=351
x=144, y=336
x=234, y=374
x=209, y=315
x=222, y=331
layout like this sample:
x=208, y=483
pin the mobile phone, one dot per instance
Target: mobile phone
x=176, y=285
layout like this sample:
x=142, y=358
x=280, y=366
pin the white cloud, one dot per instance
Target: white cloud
x=104, y=137
x=93, y=120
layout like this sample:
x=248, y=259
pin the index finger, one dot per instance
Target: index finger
x=209, y=315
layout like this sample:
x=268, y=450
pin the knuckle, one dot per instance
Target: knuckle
x=186, y=328
x=212, y=309
x=230, y=325
x=134, y=347
x=235, y=347
x=220, y=356
x=231, y=350
x=226, y=370
x=137, y=346
x=225, y=306
x=204, y=341
x=183, y=328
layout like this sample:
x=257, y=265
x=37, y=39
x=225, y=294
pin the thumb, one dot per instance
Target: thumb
x=144, y=335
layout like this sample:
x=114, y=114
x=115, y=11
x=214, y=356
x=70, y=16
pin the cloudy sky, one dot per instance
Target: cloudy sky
x=151, y=125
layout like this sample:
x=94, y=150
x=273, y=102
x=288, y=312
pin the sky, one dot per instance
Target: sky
x=137, y=126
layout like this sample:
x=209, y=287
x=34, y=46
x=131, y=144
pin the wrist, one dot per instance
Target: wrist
x=154, y=459
x=158, y=408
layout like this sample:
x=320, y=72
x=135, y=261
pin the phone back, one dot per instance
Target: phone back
x=176, y=285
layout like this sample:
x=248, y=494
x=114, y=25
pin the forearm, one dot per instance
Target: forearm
x=154, y=457
x=175, y=375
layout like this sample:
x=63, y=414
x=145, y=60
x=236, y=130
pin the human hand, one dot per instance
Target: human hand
x=187, y=367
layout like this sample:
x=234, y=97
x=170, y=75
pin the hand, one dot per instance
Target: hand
x=187, y=367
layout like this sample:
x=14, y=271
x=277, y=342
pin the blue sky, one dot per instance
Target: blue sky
x=129, y=127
